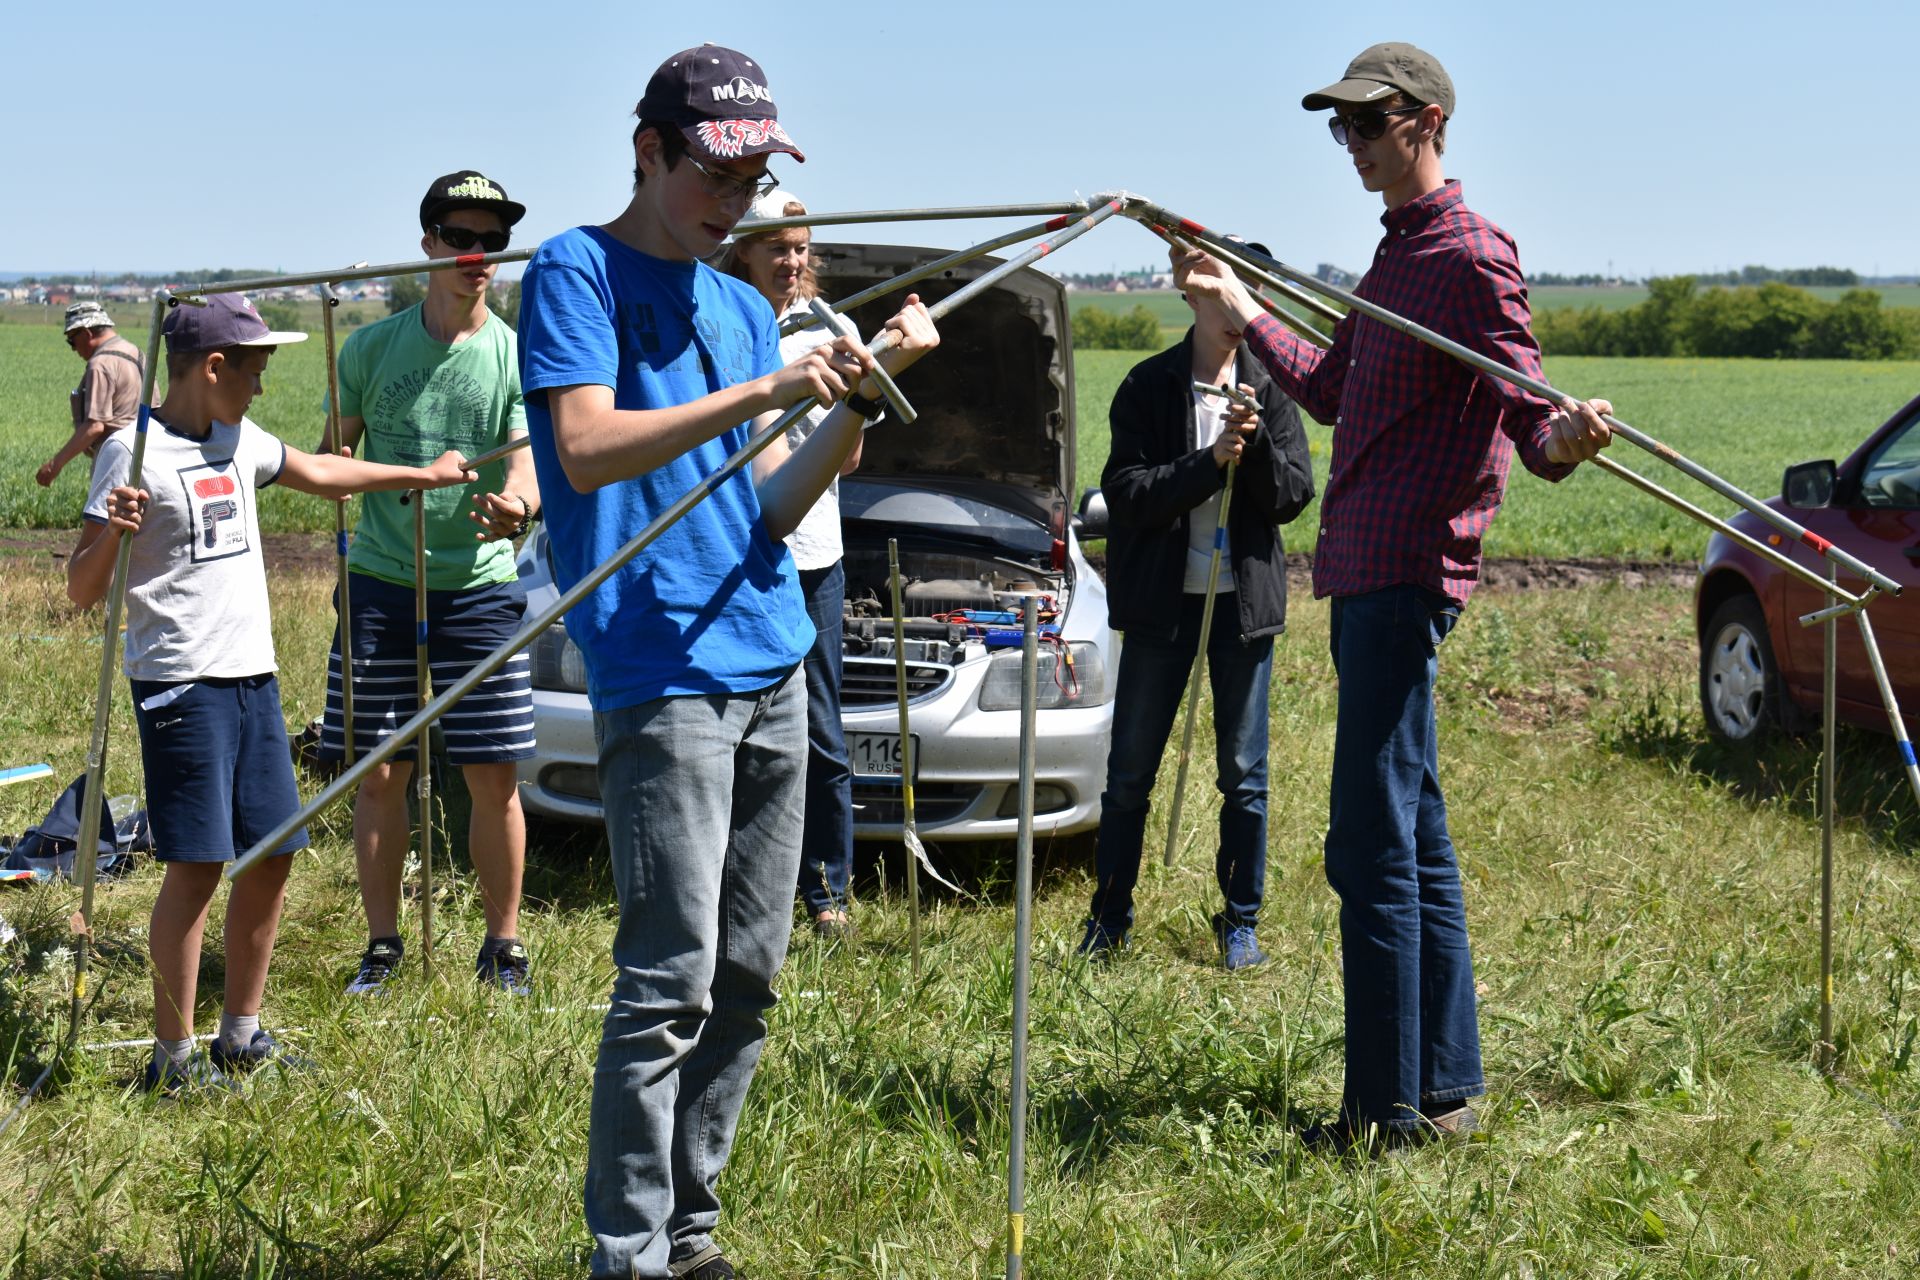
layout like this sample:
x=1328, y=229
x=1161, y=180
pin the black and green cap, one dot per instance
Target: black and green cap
x=1382, y=69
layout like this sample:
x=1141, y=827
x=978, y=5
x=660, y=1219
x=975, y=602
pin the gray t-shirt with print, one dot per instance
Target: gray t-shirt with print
x=196, y=580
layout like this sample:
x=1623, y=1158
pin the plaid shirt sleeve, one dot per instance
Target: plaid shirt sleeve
x=1495, y=321
x=1312, y=378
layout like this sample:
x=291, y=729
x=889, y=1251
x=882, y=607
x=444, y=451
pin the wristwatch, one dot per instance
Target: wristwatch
x=871, y=410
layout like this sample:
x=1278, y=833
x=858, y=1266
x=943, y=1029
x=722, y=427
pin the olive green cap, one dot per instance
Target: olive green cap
x=1380, y=70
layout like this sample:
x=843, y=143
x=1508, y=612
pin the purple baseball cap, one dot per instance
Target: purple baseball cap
x=718, y=98
x=227, y=320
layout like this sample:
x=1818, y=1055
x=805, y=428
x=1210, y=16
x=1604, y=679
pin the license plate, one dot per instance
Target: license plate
x=877, y=755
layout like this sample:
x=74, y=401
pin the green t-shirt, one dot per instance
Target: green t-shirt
x=418, y=399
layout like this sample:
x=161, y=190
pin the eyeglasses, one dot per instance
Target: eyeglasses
x=462, y=239
x=721, y=187
x=1370, y=123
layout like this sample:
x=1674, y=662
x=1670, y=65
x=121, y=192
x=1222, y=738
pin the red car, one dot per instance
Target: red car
x=1760, y=669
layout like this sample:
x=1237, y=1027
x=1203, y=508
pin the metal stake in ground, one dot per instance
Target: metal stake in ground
x=1206, y=626
x=908, y=831
x=580, y=590
x=422, y=759
x=332, y=445
x=87, y=850
x=1824, y=1056
x=1022, y=944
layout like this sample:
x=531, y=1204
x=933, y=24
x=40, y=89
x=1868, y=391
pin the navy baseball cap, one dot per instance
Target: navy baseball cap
x=226, y=320
x=718, y=98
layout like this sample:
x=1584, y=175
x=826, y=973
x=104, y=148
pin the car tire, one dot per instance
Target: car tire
x=1740, y=690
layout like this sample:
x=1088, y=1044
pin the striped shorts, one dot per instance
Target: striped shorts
x=493, y=723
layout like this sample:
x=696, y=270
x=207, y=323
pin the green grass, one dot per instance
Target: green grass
x=1644, y=917
x=1744, y=419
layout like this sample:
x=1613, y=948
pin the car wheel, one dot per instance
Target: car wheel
x=1739, y=679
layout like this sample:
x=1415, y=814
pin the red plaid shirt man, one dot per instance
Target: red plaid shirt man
x=1422, y=444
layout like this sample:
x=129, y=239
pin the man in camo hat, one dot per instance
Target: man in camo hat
x=108, y=396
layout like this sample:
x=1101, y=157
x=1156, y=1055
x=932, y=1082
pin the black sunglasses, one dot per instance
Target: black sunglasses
x=491, y=241
x=1369, y=123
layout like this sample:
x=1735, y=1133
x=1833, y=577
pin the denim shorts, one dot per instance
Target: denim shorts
x=492, y=724
x=219, y=774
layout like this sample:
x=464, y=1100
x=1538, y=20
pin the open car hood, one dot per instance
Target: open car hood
x=995, y=401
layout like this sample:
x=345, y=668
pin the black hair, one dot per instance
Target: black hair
x=673, y=145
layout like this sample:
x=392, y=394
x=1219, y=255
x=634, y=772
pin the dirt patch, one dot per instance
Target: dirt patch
x=1519, y=573
x=298, y=551
x=285, y=551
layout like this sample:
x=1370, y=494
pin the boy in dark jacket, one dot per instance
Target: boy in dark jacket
x=1163, y=482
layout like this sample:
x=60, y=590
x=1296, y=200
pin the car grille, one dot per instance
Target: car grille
x=932, y=802
x=868, y=682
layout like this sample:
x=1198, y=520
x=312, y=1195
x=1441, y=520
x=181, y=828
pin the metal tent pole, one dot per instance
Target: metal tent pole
x=328, y=301
x=633, y=547
x=422, y=755
x=192, y=294
x=908, y=833
x=1218, y=244
x=932, y=213
x=1022, y=946
x=1206, y=630
x=1824, y=1058
x=86, y=852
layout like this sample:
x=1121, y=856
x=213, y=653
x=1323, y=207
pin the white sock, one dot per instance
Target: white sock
x=236, y=1030
x=175, y=1052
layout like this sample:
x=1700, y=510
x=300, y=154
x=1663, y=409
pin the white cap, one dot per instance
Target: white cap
x=771, y=205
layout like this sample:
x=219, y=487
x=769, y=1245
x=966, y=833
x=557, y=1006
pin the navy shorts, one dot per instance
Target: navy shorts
x=219, y=774
x=492, y=724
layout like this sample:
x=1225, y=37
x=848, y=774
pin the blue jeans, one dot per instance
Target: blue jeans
x=703, y=806
x=1413, y=1038
x=826, y=841
x=1153, y=675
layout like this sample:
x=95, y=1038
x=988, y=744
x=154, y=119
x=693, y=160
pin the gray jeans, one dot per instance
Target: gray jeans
x=703, y=804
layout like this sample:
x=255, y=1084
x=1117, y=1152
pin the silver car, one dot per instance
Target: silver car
x=976, y=492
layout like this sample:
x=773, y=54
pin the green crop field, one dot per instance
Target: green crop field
x=1745, y=419
x=1171, y=311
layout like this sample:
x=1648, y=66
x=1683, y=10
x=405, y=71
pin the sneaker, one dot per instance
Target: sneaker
x=833, y=926
x=1239, y=949
x=708, y=1264
x=503, y=963
x=259, y=1051
x=1100, y=943
x=377, y=964
x=1339, y=1137
x=197, y=1075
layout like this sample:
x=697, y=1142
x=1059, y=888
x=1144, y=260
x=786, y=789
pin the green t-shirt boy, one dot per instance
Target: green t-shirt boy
x=418, y=398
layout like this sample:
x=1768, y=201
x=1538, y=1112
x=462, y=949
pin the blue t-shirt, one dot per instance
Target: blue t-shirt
x=714, y=605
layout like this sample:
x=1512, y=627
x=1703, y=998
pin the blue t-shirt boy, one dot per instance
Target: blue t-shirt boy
x=714, y=604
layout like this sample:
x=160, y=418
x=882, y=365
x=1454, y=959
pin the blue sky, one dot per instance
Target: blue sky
x=1654, y=138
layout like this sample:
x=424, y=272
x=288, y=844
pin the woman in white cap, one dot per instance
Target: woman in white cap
x=779, y=264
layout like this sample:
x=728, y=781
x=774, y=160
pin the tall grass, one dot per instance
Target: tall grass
x=1643, y=909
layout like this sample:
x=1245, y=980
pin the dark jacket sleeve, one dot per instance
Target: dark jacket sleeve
x=1141, y=493
x=1276, y=473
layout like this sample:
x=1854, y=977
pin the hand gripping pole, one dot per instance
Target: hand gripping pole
x=840, y=326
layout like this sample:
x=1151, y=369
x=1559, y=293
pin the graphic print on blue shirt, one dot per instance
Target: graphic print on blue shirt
x=714, y=605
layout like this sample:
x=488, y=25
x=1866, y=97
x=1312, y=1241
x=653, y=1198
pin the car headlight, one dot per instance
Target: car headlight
x=1075, y=676
x=558, y=662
